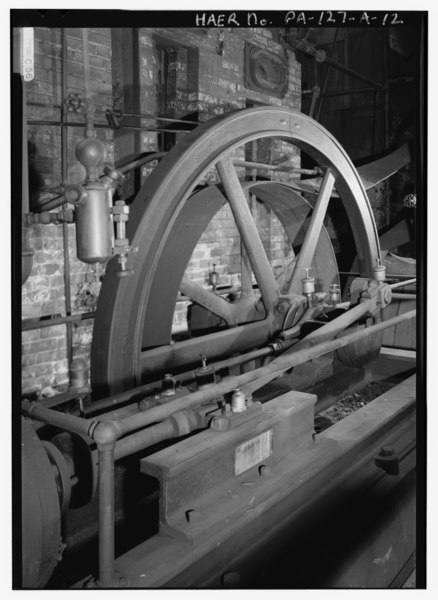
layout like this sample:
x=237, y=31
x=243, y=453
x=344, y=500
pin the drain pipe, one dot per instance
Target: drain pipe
x=64, y=174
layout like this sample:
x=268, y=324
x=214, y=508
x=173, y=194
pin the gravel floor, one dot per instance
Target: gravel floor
x=348, y=403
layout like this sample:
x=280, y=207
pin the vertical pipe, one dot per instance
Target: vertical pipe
x=324, y=85
x=64, y=166
x=386, y=110
x=106, y=515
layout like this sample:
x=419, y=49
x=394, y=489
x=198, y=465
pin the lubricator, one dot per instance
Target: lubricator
x=95, y=214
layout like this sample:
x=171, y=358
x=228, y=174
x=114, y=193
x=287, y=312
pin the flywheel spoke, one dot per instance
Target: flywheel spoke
x=215, y=304
x=248, y=231
x=246, y=272
x=311, y=238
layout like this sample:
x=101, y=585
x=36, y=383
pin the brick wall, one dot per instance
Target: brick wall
x=219, y=70
x=44, y=351
x=205, y=78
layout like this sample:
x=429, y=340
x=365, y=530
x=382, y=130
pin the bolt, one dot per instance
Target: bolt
x=192, y=515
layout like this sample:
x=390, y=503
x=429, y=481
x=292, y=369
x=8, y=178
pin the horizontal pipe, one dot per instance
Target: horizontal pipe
x=144, y=439
x=348, y=92
x=388, y=277
x=139, y=162
x=141, y=116
x=275, y=368
x=400, y=284
x=167, y=119
x=396, y=296
x=49, y=123
x=34, y=410
x=59, y=200
x=40, y=323
x=286, y=169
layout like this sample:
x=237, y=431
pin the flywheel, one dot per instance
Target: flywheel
x=132, y=339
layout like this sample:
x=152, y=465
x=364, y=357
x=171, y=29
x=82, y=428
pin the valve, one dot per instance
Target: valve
x=308, y=285
x=205, y=376
x=334, y=292
x=238, y=401
x=213, y=278
x=379, y=271
x=168, y=387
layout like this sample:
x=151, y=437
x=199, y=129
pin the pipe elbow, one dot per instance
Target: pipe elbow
x=105, y=433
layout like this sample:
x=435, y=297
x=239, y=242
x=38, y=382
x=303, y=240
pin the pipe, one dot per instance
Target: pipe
x=396, y=296
x=324, y=85
x=42, y=322
x=144, y=439
x=52, y=123
x=139, y=162
x=106, y=515
x=400, y=284
x=59, y=200
x=64, y=175
x=34, y=410
x=275, y=368
x=335, y=93
x=320, y=56
x=286, y=169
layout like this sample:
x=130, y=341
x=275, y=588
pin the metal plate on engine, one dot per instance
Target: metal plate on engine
x=253, y=451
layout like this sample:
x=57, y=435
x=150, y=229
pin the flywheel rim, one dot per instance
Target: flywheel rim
x=116, y=348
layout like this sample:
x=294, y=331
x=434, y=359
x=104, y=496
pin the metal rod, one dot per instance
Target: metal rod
x=388, y=277
x=64, y=169
x=286, y=169
x=396, y=296
x=59, y=200
x=139, y=162
x=336, y=93
x=52, y=123
x=324, y=85
x=141, y=116
x=168, y=119
x=29, y=324
x=106, y=515
x=275, y=368
x=400, y=284
x=334, y=327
